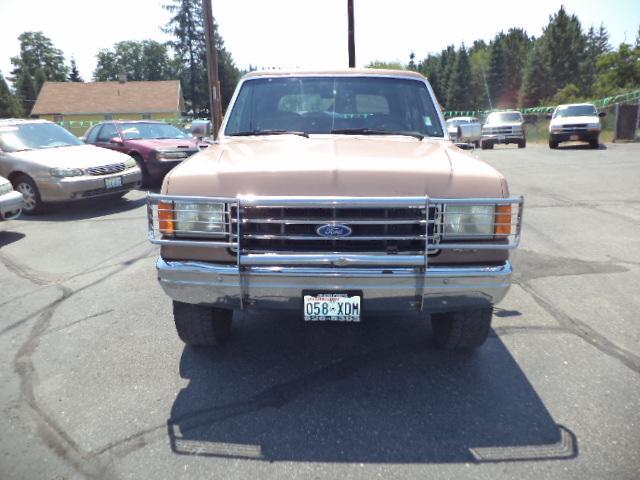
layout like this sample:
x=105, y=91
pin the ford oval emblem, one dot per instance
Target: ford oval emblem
x=333, y=231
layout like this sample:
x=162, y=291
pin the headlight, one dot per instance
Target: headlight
x=129, y=163
x=6, y=188
x=160, y=155
x=207, y=218
x=66, y=172
x=464, y=221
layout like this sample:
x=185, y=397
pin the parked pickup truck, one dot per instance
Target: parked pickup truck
x=465, y=130
x=503, y=127
x=575, y=122
x=337, y=195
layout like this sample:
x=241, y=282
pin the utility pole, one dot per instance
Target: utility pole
x=352, y=42
x=215, y=104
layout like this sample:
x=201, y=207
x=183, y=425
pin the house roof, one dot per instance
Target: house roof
x=108, y=97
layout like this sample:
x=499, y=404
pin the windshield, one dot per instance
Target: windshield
x=132, y=131
x=35, y=136
x=576, y=111
x=504, y=117
x=344, y=105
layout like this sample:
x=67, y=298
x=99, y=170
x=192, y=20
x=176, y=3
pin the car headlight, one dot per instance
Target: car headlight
x=160, y=155
x=464, y=221
x=130, y=163
x=6, y=188
x=66, y=172
x=199, y=218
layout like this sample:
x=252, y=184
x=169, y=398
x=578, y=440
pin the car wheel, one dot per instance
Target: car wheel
x=476, y=144
x=198, y=325
x=32, y=202
x=463, y=330
x=486, y=145
x=553, y=144
x=522, y=144
x=594, y=143
x=146, y=178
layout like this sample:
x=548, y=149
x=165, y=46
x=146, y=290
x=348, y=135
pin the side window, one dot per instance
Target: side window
x=107, y=132
x=90, y=137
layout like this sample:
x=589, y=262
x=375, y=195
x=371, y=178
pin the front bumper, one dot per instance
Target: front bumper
x=11, y=205
x=384, y=289
x=87, y=186
x=578, y=135
x=506, y=138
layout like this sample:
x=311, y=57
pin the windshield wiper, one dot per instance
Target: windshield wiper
x=370, y=131
x=250, y=133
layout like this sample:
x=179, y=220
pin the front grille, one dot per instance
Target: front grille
x=106, y=169
x=499, y=131
x=374, y=230
x=579, y=126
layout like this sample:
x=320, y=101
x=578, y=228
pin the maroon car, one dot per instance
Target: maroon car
x=157, y=147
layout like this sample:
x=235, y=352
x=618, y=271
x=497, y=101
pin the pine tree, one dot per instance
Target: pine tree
x=9, y=104
x=535, y=83
x=74, y=74
x=25, y=89
x=496, y=73
x=459, y=95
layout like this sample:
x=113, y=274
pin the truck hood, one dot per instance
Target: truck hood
x=334, y=165
x=559, y=121
x=166, y=143
x=75, y=156
x=499, y=125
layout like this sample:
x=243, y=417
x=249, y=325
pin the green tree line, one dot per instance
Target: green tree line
x=182, y=58
x=565, y=64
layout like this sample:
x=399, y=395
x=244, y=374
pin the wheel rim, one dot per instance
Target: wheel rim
x=29, y=195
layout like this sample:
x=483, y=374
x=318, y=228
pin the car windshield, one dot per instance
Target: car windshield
x=503, y=117
x=133, y=131
x=35, y=136
x=341, y=105
x=576, y=111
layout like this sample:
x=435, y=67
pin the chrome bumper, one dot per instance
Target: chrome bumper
x=383, y=289
x=11, y=205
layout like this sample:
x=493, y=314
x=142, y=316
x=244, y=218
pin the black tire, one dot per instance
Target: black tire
x=553, y=144
x=464, y=330
x=476, y=144
x=522, y=144
x=487, y=145
x=197, y=325
x=146, y=180
x=594, y=143
x=33, y=204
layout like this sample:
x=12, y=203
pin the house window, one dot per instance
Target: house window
x=108, y=117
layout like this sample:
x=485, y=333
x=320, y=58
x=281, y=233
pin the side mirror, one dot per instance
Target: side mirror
x=548, y=116
x=116, y=141
x=83, y=139
x=602, y=114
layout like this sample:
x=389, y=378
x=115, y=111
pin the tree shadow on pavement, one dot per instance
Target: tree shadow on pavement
x=374, y=392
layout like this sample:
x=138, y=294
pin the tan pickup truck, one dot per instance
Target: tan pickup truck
x=338, y=195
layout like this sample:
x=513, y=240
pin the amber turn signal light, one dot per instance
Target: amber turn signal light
x=165, y=218
x=503, y=220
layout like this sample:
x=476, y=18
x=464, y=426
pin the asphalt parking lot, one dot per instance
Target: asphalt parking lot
x=96, y=383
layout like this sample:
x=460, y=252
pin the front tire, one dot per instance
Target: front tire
x=463, y=330
x=146, y=180
x=33, y=204
x=522, y=144
x=487, y=145
x=553, y=145
x=594, y=143
x=198, y=325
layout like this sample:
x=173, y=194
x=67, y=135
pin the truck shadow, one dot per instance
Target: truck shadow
x=375, y=392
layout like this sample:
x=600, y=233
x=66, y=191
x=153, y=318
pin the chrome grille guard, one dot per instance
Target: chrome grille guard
x=434, y=213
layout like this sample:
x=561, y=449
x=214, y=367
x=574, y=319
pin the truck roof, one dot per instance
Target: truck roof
x=345, y=71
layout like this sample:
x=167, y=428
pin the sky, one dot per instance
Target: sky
x=302, y=33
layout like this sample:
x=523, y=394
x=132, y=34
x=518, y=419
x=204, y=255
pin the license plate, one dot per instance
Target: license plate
x=573, y=137
x=333, y=306
x=113, y=182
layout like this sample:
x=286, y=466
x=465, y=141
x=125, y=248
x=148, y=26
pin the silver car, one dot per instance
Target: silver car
x=11, y=202
x=47, y=164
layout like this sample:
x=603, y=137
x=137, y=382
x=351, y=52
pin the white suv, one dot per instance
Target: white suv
x=575, y=122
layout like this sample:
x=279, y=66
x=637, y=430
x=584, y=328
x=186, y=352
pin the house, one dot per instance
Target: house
x=77, y=106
